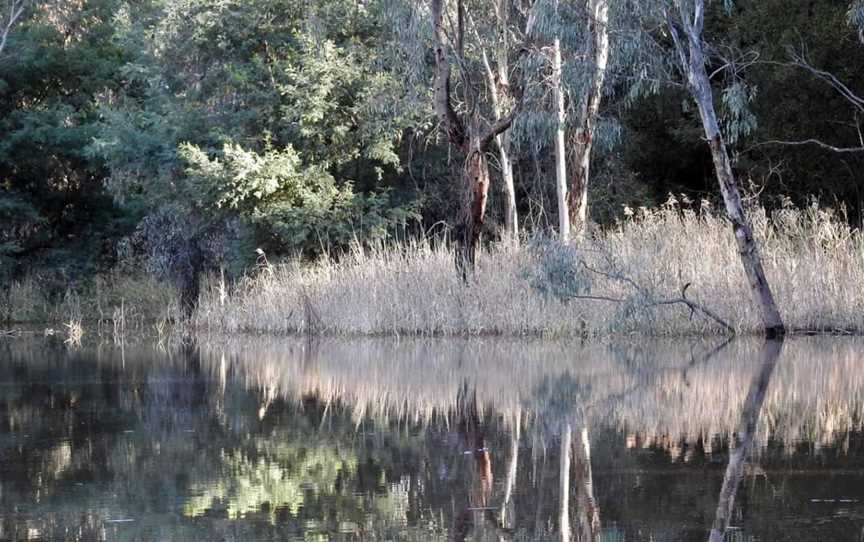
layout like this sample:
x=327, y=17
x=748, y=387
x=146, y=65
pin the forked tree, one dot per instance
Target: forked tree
x=468, y=128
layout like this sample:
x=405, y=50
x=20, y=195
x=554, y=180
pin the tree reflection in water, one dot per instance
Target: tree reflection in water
x=352, y=440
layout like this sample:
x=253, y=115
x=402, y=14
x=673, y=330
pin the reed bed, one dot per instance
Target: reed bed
x=813, y=259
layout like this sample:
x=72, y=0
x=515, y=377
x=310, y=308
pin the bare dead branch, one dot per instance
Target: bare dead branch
x=816, y=142
x=650, y=301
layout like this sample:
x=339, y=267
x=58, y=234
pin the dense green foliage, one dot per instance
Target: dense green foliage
x=188, y=133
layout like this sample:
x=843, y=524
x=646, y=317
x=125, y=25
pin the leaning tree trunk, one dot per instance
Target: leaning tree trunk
x=560, y=151
x=748, y=251
x=583, y=138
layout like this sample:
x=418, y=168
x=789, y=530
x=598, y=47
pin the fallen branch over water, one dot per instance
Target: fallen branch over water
x=650, y=301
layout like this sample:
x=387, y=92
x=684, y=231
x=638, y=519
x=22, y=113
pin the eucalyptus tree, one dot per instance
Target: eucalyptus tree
x=685, y=21
x=585, y=50
x=464, y=118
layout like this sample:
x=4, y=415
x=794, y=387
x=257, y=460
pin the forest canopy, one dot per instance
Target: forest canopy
x=159, y=128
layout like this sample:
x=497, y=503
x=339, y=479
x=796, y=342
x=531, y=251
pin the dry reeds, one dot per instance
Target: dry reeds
x=813, y=259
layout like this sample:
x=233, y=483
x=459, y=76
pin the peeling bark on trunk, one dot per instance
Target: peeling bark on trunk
x=560, y=152
x=768, y=356
x=476, y=175
x=700, y=88
x=582, y=140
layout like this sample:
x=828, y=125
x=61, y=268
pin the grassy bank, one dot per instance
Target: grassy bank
x=814, y=261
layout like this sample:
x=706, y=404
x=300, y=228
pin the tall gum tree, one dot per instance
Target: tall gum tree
x=498, y=81
x=687, y=17
x=468, y=130
x=582, y=138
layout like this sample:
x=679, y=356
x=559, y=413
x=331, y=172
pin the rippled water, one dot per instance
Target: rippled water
x=289, y=439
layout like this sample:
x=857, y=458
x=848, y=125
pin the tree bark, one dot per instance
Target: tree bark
x=700, y=88
x=583, y=138
x=499, y=90
x=476, y=175
x=560, y=152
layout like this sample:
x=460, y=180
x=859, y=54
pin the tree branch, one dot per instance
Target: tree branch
x=651, y=302
x=16, y=9
x=816, y=142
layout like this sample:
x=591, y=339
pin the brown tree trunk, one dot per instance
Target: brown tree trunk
x=700, y=88
x=476, y=179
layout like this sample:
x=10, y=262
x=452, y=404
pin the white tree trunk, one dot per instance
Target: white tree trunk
x=498, y=89
x=700, y=88
x=560, y=151
x=598, y=52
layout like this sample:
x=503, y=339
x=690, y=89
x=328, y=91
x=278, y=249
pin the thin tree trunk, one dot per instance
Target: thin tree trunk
x=583, y=138
x=560, y=152
x=497, y=91
x=564, y=483
x=768, y=355
x=700, y=88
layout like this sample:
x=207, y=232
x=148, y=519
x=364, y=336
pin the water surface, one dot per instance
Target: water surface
x=289, y=439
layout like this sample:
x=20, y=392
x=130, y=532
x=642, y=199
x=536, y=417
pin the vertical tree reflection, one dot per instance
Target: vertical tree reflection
x=768, y=355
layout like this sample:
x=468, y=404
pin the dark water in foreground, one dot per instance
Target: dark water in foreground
x=432, y=440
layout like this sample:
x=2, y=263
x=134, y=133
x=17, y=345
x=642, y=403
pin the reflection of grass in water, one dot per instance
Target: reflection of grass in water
x=660, y=392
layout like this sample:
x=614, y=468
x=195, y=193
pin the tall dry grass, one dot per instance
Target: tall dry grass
x=813, y=259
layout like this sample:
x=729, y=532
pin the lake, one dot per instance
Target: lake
x=437, y=439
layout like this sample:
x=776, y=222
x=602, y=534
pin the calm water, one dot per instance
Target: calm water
x=432, y=440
